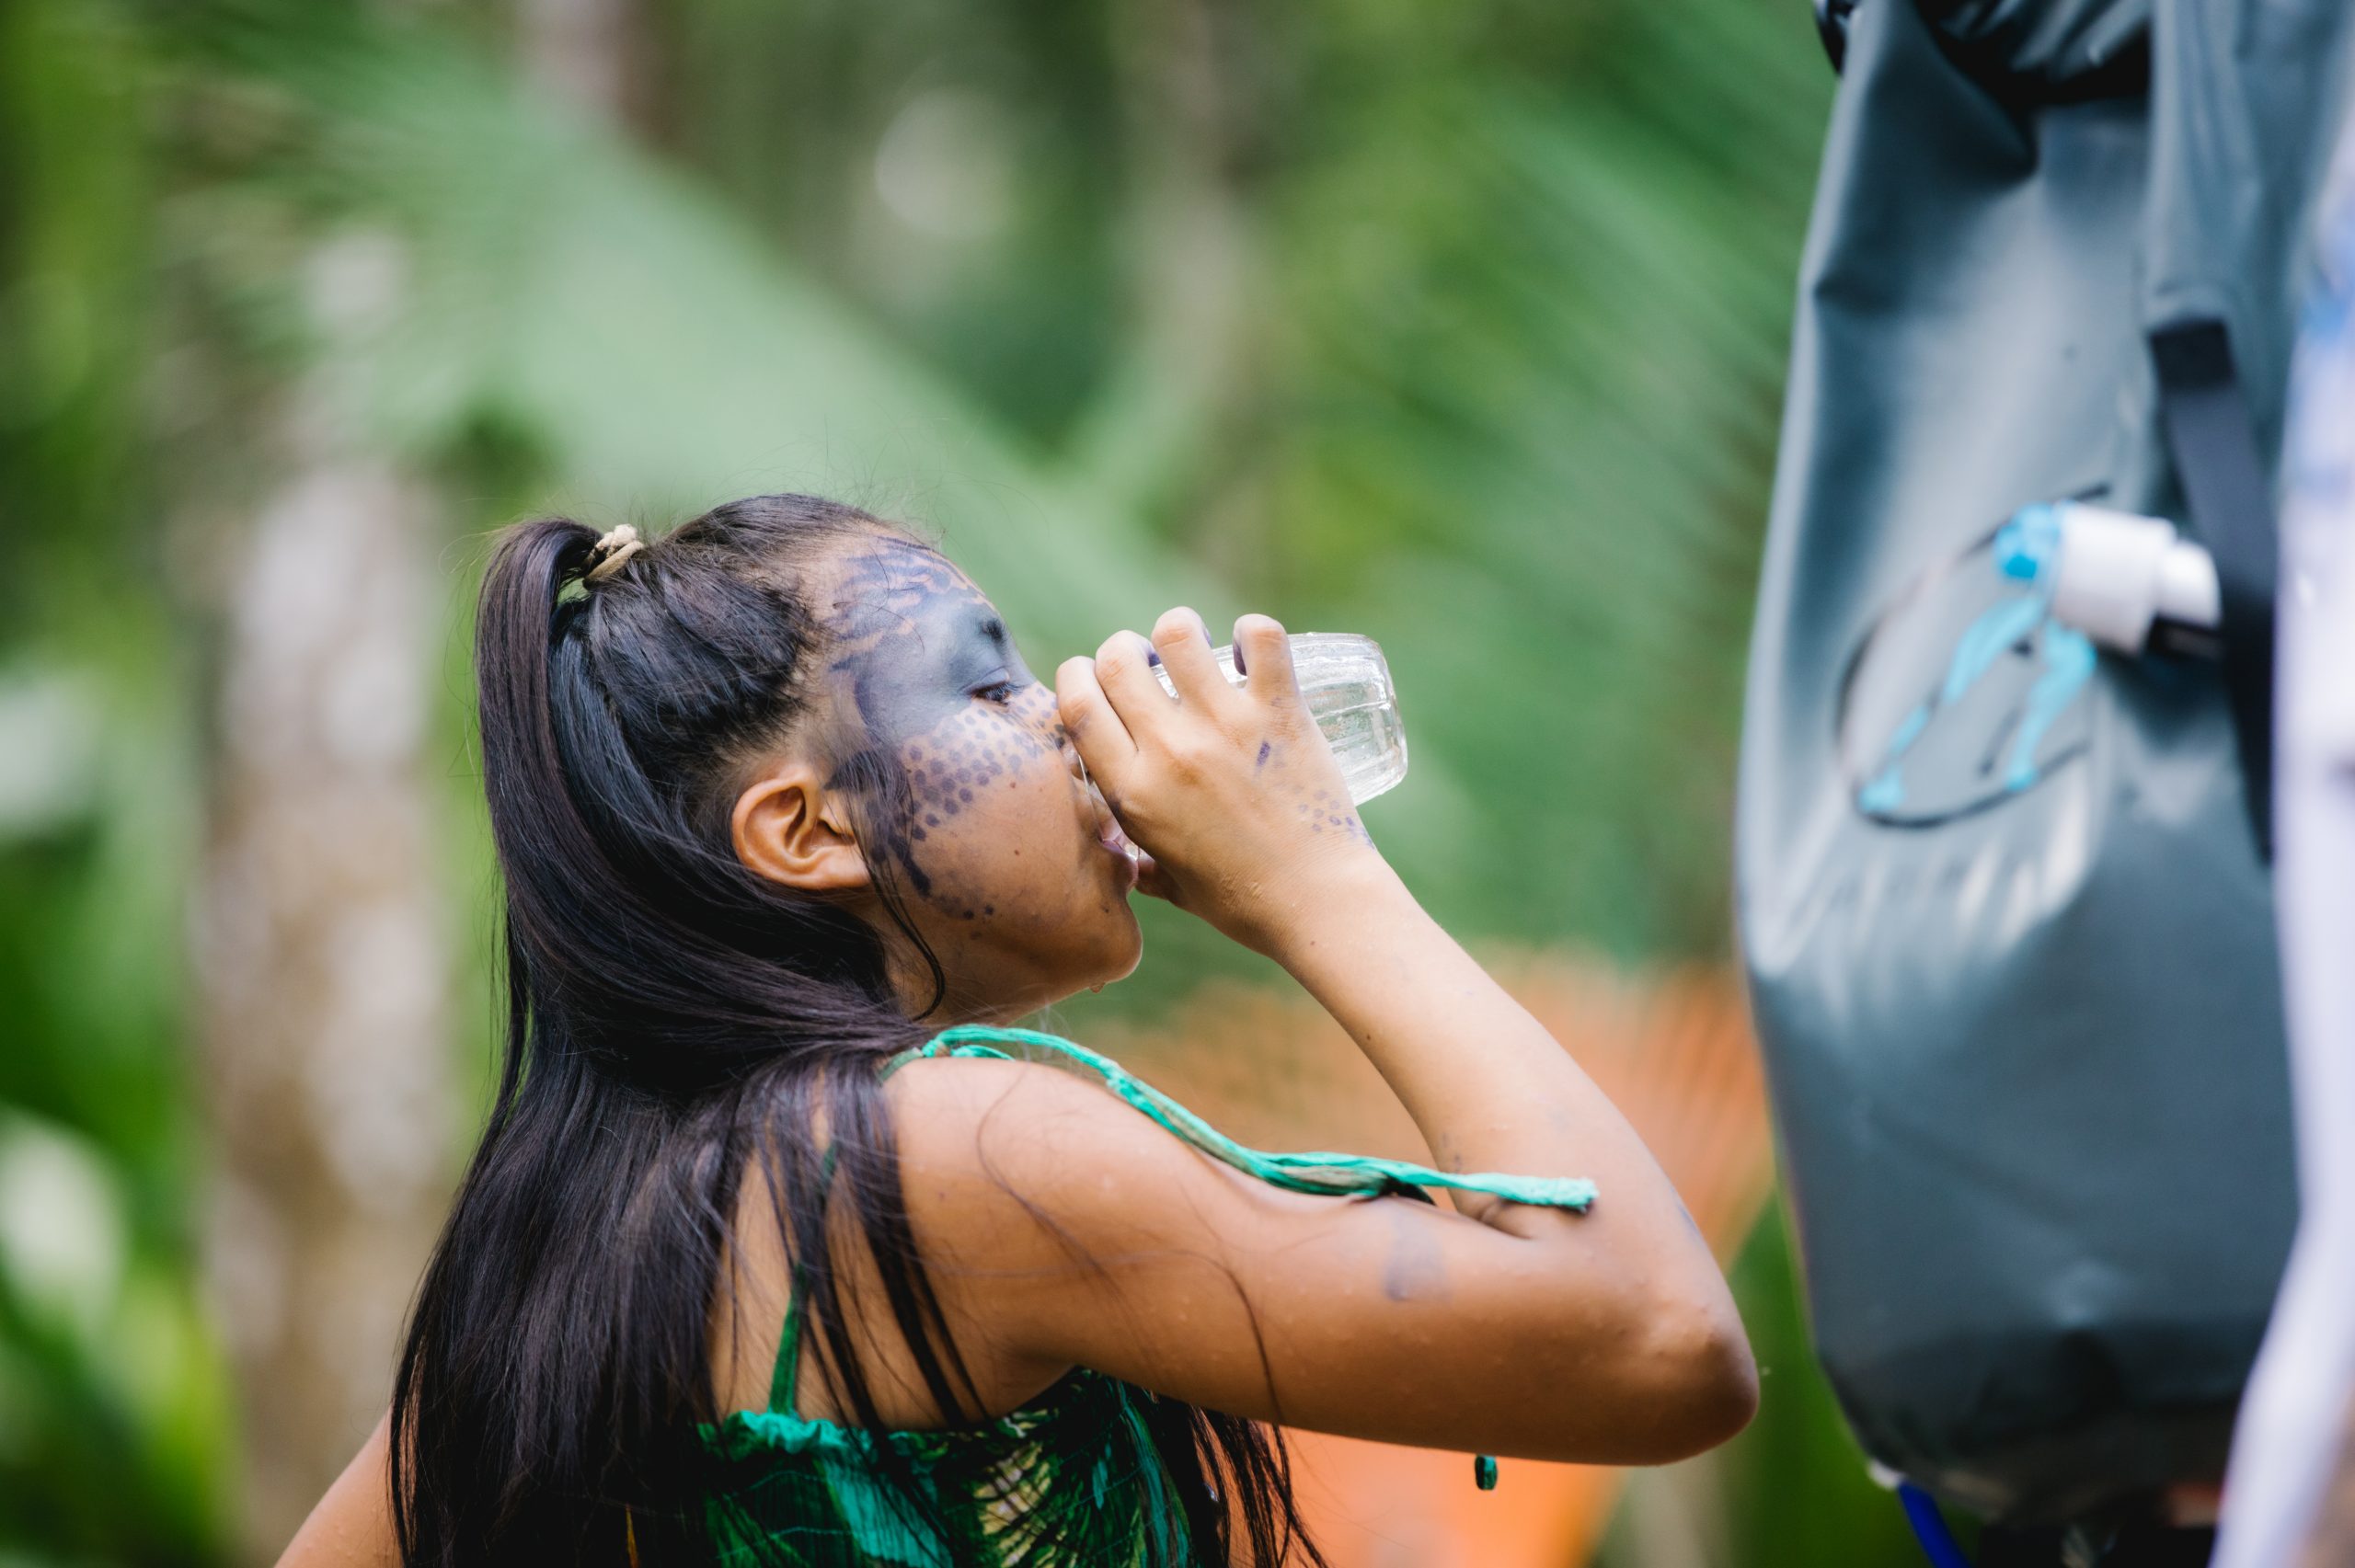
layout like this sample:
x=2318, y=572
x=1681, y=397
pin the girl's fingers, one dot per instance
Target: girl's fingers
x=1184, y=644
x=1102, y=741
x=1124, y=671
x=1264, y=651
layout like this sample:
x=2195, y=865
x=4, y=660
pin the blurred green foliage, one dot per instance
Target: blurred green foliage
x=1458, y=325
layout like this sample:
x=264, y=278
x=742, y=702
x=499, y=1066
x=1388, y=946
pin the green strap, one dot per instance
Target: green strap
x=788, y=1341
x=1310, y=1172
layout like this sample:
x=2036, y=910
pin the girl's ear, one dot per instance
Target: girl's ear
x=787, y=828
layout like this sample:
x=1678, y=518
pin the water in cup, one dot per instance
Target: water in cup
x=1346, y=682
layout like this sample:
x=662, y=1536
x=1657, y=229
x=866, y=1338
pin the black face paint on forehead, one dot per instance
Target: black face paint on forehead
x=915, y=639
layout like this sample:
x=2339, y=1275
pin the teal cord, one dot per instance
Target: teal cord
x=1337, y=1174
x=1340, y=1174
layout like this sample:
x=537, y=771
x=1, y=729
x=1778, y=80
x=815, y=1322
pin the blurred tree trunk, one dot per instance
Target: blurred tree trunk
x=321, y=958
x=589, y=51
x=1180, y=399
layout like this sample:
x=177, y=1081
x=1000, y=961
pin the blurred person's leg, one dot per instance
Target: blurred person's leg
x=2294, y=1422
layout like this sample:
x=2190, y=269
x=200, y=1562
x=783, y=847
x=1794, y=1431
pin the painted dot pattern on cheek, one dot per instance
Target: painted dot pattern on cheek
x=917, y=644
x=952, y=767
x=968, y=754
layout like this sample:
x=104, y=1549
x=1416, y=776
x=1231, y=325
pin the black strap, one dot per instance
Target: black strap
x=1831, y=30
x=2231, y=500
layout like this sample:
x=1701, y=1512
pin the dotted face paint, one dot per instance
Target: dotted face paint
x=945, y=707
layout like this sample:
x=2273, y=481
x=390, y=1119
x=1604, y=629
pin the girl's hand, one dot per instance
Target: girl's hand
x=1230, y=789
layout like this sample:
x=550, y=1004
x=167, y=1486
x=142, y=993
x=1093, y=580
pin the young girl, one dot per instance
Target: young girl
x=773, y=1251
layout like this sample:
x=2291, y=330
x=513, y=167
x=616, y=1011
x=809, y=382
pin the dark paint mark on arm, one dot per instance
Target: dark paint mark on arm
x=1415, y=1269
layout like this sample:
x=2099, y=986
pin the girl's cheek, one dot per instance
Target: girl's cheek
x=951, y=769
x=994, y=824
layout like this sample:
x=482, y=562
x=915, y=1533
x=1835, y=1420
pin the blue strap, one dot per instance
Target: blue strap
x=1930, y=1527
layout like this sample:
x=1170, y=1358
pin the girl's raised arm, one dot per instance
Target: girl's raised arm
x=1500, y=1327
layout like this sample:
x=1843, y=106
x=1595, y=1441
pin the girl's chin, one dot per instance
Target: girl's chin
x=1127, y=950
x=1135, y=948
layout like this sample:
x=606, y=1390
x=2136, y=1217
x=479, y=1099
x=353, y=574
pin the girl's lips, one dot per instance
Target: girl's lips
x=1116, y=843
x=1125, y=854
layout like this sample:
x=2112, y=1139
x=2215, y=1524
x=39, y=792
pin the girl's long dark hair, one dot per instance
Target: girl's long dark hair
x=672, y=1018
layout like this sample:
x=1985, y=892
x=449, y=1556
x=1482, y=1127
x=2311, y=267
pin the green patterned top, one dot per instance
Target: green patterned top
x=1072, y=1478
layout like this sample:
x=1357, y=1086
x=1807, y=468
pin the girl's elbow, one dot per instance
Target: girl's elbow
x=1720, y=1395
x=1709, y=1377
x=1695, y=1383
x=1665, y=1361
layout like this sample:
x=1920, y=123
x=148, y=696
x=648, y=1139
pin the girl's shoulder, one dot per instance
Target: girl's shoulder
x=1005, y=1140
x=988, y=1145
x=987, y=1149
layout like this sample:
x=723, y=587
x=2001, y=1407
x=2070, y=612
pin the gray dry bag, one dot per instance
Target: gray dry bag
x=2003, y=896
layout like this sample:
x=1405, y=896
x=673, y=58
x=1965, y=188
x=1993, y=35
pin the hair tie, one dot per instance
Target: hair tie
x=610, y=550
